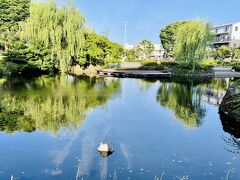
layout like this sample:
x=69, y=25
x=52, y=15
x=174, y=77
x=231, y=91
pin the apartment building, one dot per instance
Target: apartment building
x=227, y=34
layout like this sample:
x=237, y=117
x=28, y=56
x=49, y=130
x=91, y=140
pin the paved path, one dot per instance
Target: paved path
x=159, y=74
x=226, y=74
x=135, y=73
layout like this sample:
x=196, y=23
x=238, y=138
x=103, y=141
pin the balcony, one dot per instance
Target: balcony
x=222, y=39
x=222, y=30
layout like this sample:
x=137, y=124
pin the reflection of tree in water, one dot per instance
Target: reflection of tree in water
x=52, y=103
x=146, y=84
x=184, y=100
x=232, y=127
x=214, y=92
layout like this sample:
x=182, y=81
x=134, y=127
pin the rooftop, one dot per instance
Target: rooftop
x=222, y=25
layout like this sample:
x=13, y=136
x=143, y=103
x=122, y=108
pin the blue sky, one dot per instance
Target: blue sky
x=146, y=17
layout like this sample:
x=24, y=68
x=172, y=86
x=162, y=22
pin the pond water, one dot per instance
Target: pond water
x=50, y=128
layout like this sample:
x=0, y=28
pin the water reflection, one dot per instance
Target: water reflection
x=232, y=127
x=50, y=104
x=184, y=100
x=145, y=147
x=214, y=92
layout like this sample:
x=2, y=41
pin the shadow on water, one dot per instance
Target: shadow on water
x=51, y=103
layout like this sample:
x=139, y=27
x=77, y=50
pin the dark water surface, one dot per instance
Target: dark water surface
x=50, y=128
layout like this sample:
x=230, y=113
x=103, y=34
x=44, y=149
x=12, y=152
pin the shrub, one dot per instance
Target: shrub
x=207, y=64
x=155, y=67
x=236, y=67
x=149, y=62
x=169, y=63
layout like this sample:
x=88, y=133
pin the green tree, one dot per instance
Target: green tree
x=59, y=29
x=236, y=54
x=145, y=48
x=98, y=50
x=222, y=52
x=131, y=55
x=168, y=37
x=192, y=40
x=11, y=13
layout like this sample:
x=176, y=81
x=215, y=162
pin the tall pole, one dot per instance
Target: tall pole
x=125, y=40
x=125, y=37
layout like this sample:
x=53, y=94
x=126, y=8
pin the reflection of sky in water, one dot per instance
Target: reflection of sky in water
x=149, y=142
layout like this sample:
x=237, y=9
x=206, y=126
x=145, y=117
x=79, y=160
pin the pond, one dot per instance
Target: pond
x=51, y=127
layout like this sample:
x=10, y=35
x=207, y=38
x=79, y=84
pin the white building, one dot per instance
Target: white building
x=129, y=46
x=157, y=54
x=227, y=34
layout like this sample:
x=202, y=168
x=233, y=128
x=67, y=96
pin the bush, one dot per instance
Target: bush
x=208, y=64
x=156, y=67
x=149, y=62
x=168, y=63
x=237, y=68
x=235, y=65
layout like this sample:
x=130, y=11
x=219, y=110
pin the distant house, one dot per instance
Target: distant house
x=157, y=54
x=227, y=35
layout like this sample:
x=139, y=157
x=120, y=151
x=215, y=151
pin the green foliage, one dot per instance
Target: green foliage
x=131, y=55
x=191, y=43
x=51, y=103
x=168, y=63
x=98, y=50
x=44, y=38
x=168, y=36
x=145, y=48
x=33, y=59
x=236, y=53
x=61, y=30
x=184, y=100
x=11, y=13
x=149, y=62
x=207, y=64
x=153, y=67
x=224, y=52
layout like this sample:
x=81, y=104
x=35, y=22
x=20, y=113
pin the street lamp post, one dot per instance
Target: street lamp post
x=125, y=40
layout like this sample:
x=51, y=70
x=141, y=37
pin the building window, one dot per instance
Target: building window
x=236, y=28
x=226, y=29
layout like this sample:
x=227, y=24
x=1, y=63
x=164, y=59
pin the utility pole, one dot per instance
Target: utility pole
x=125, y=37
x=125, y=40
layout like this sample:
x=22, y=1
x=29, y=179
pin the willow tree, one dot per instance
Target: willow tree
x=192, y=39
x=59, y=29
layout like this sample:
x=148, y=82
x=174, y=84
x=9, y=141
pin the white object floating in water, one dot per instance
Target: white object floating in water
x=105, y=149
